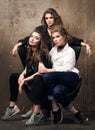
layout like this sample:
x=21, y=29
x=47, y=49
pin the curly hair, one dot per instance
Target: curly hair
x=53, y=12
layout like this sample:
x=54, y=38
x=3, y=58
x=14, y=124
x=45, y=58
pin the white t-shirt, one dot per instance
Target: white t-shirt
x=64, y=60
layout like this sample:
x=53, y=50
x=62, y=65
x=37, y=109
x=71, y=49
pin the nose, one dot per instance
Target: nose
x=48, y=20
x=32, y=38
x=55, y=39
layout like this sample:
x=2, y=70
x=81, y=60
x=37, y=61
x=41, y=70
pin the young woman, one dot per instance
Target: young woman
x=50, y=18
x=63, y=76
x=37, y=52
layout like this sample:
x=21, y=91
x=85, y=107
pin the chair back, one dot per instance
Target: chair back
x=77, y=50
x=75, y=92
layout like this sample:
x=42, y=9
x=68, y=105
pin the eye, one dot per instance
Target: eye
x=57, y=36
x=51, y=17
x=46, y=18
x=37, y=38
x=53, y=38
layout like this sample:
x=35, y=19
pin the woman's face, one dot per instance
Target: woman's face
x=34, y=39
x=49, y=19
x=58, y=39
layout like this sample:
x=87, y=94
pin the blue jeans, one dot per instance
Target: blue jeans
x=59, y=85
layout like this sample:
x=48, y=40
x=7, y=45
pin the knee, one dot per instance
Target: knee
x=38, y=78
x=46, y=77
x=58, y=90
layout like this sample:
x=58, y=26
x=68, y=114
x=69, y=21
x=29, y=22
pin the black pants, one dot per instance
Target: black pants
x=22, y=51
x=34, y=89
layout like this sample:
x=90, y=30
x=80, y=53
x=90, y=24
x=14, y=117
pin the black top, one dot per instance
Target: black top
x=73, y=41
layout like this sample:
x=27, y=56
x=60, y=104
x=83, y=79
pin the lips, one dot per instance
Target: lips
x=31, y=43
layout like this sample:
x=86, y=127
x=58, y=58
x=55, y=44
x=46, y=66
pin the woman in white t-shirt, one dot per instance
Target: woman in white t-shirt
x=63, y=77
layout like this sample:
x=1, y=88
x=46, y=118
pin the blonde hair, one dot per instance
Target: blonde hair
x=61, y=30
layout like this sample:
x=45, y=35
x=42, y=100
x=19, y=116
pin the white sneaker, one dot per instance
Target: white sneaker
x=10, y=112
x=34, y=119
x=27, y=114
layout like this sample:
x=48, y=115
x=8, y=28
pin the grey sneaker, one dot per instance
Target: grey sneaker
x=34, y=119
x=27, y=114
x=10, y=112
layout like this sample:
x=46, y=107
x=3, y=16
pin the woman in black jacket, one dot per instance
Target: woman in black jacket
x=50, y=18
x=29, y=79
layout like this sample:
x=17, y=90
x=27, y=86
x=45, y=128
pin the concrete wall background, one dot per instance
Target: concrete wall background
x=19, y=17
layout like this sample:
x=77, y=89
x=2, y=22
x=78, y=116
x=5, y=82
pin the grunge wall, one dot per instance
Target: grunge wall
x=19, y=17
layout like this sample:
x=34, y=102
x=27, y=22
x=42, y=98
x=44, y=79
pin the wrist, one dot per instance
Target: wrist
x=83, y=44
x=22, y=75
x=19, y=44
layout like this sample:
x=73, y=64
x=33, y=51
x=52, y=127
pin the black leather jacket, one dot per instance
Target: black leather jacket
x=73, y=41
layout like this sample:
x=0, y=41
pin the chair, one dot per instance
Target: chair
x=77, y=50
x=74, y=93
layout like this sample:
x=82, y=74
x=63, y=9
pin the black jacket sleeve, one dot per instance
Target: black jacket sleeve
x=24, y=41
x=73, y=41
x=41, y=28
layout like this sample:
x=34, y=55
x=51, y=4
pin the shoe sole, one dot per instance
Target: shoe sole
x=61, y=118
x=61, y=114
x=24, y=117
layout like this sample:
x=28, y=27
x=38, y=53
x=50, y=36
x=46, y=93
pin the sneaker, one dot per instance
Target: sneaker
x=10, y=112
x=27, y=114
x=80, y=117
x=34, y=119
x=58, y=115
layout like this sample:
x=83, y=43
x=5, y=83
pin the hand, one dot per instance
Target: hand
x=15, y=50
x=41, y=68
x=20, y=90
x=20, y=86
x=21, y=78
x=88, y=50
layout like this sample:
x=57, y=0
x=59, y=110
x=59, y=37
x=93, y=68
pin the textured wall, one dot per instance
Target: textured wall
x=17, y=20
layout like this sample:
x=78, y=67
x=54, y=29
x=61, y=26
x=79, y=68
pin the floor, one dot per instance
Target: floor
x=17, y=123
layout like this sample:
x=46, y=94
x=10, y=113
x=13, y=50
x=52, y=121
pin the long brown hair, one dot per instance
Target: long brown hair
x=57, y=18
x=35, y=55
